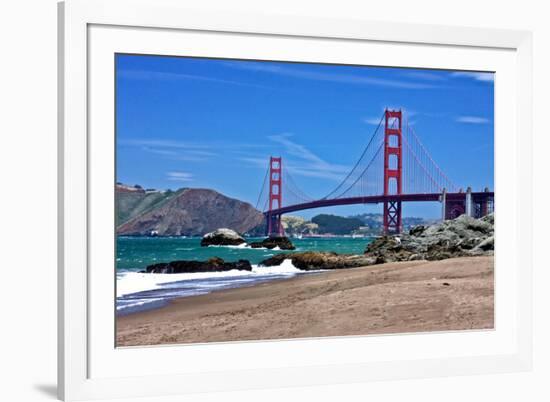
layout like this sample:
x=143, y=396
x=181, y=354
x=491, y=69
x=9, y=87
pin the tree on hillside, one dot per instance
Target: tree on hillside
x=336, y=224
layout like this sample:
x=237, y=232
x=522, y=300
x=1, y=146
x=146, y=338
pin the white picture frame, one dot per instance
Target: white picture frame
x=90, y=368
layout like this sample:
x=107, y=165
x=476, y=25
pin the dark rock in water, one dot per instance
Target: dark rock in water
x=242, y=265
x=214, y=264
x=463, y=236
x=313, y=260
x=222, y=237
x=271, y=242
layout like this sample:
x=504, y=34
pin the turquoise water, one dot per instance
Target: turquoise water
x=135, y=253
x=141, y=291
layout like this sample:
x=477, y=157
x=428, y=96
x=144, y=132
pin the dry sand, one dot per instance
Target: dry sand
x=453, y=294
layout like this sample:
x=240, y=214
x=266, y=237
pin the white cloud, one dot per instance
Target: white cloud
x=174, y=150
x=475, y=75
x=472, y=120
x=372, y=120
x=179, y=176
x=425, y=75
x=255, y=161
x=163, y=143
x=145, y=75
x=304, y=162
x=355, y=79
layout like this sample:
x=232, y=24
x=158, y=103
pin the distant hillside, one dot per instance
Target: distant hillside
x=373, y=222
x=133, y=201
x=337, y=225
x=189, y=212
x=296, y=225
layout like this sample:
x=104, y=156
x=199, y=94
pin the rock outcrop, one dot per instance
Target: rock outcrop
x=314, y=260
x=222, y=237
x=214, y=264
x=463, y=236
x=282, y=242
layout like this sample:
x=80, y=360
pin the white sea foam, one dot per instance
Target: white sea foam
x=242, y=245
x=134, y=282
x=137, y=303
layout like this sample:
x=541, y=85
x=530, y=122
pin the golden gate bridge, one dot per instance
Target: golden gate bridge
x=395, y=167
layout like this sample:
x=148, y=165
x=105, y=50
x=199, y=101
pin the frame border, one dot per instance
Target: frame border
x=74, y=16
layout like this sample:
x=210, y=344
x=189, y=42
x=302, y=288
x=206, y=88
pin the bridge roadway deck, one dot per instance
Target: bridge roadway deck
x=376, y=199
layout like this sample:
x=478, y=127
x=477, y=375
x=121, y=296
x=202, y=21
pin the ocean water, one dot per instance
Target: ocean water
x=138, y=291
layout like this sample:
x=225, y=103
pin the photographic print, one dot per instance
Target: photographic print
x=261, y=200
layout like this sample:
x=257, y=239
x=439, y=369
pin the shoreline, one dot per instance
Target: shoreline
x=416, y=296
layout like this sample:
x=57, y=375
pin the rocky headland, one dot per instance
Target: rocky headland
x=461, y=237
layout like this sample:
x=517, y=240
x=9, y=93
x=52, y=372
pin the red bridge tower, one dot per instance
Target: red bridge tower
x=274, y=226
x=393, y=168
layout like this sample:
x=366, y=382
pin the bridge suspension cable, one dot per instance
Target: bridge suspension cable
x=361, y=179
x=297, y=195
x=262, y=192
x=421, y=174
x=358, y=163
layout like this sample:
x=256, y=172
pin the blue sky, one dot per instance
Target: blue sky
x=207, y=123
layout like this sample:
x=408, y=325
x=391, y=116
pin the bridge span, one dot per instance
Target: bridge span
x=393, y=169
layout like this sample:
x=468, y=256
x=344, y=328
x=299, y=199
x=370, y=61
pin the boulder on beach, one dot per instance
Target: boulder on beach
x=222, y=237
x=282, y=242
x=214, y=264
x=314, y=260
x=460, y=237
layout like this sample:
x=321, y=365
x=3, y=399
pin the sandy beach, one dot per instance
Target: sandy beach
x=452, y=294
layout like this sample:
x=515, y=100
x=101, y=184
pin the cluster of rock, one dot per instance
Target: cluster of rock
x=214, y=264
x=314, y=260
x=464, y=236
x=228, y=237
x=461, y=237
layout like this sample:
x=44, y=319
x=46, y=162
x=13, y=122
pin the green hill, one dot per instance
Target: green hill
x=337, y=225
x=189, y=212
x=134, y=201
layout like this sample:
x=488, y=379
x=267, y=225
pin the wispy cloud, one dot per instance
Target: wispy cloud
x=174, y=150
x=255, y=161
x=300, y=160
x=475, y=75
x=472, y=120
x=146, y=75
x=153, y=142
x=425, y=75
x=355, y=79
x=374, y=121
x=179, y=176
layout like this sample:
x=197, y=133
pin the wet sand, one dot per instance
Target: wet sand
x=453, y=294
